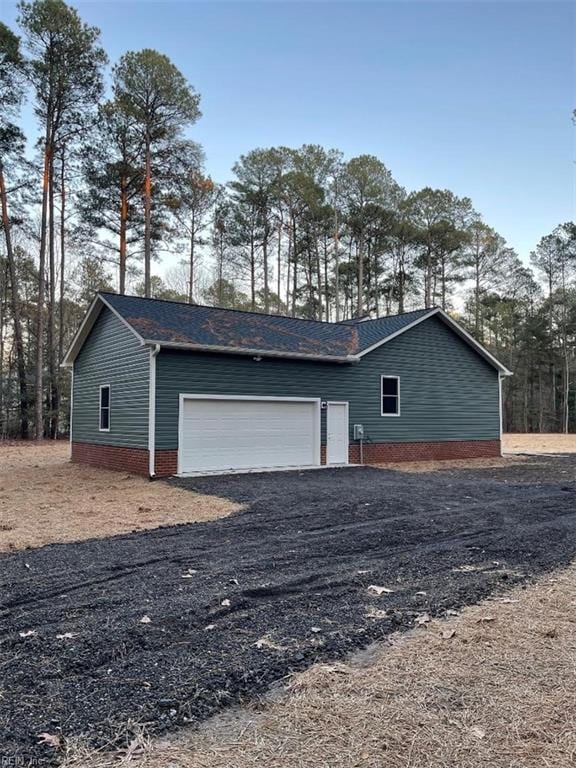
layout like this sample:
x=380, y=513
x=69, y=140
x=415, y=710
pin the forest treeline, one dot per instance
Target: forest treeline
x=105, y=184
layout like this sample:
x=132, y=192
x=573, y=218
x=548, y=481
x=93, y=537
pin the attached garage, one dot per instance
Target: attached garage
x=219, y=433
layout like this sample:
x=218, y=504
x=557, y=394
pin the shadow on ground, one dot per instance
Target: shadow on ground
x=167, y=627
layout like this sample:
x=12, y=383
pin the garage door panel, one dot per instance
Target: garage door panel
x=247, y=434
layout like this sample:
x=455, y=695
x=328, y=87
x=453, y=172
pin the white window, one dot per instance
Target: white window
x=105, y=408
x=390, y=395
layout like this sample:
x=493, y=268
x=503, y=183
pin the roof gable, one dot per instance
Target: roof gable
x=451, y=323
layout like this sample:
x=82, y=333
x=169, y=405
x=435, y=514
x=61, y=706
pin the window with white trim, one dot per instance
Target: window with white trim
x=105, y=408
x=390, y=395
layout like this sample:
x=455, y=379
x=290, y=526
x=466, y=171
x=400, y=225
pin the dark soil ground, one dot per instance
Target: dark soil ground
x=166, y=627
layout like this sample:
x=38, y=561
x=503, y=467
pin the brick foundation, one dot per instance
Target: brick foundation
x=166, y=463
x=379, y=453
x=133, y=460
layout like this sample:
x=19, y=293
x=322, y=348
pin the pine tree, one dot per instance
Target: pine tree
x=11, y=149
x=152, y=91
x=65, y=70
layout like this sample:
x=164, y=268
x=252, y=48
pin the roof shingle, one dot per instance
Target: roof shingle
x=171, y=322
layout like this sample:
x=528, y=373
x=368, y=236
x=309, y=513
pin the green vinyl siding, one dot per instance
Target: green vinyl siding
x=111, y=355
x=447, y=390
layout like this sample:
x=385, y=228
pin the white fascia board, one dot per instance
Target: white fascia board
x=455, y=327
x=252, y=352
x=86, y=326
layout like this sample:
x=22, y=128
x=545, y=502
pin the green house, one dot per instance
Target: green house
x=163, y=388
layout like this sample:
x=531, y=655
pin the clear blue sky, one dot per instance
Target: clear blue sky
x=471, y=96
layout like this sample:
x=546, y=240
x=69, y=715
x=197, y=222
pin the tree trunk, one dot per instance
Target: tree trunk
x=221, y=270
x=265, y=265
x=566, y=399
x=360, y=294
x=147, y=217
x=4, y=427
x=443, y=267
x=252, y=271
x=553, y=415
x=401, y=281
x=294, y=267
x=62, y=259
x=326, y=285
x=318, y=280
x=279, y=264
x=15, y=301
x=39, y=395
x=192, y=258
x=479, y=336
x=288, y=269
x=123, y=234
x=62, y=287
x=53, y=383
x=428, y=278
x=336, y=261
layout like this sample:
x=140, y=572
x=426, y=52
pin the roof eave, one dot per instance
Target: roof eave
x=185, y=346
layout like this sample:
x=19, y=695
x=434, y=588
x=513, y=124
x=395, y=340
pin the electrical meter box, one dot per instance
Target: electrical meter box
x=358, y=431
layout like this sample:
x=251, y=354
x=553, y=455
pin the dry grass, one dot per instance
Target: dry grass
x=493, y=687
x=511, y=444
x=546, y=443
x=433, y=466
x=45, y=499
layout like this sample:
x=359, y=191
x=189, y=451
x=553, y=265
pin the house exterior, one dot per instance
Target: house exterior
x=162, y=388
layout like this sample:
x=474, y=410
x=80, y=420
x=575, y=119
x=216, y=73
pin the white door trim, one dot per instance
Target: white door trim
x=347, y=405
x=256, y=398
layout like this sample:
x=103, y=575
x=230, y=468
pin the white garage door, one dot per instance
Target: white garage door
x=221, y=434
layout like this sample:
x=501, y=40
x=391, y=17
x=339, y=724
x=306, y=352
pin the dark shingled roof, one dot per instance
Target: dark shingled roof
x=172, y=322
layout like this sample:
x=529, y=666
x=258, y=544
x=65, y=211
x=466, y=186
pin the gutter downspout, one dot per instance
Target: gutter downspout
x=71, y=407
x=152, y=411
x=500, y=414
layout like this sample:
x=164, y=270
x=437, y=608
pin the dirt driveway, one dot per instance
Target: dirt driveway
x=166, y=627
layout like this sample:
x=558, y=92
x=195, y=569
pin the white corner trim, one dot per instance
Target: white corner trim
x=71, y=404
x=500, y=410
x=316, y=400
x=393, y=415
x=152, y=410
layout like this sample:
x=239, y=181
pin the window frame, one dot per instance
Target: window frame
x=101, y=407
x=397, y=396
